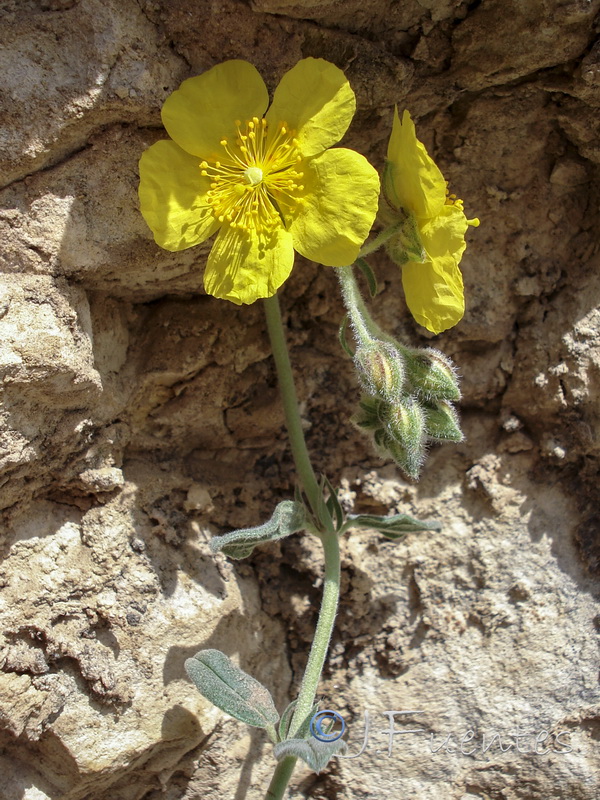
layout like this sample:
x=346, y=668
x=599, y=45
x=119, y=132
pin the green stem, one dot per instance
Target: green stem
x=320, y=645
x=379, y=240
x=354, y=303
x=365, y=328
x=329, y=538
x=290, y=403
x=281, y=778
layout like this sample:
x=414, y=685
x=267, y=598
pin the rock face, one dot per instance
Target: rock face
x=139, y=417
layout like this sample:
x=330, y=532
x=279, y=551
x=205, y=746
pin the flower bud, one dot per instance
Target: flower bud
x=405, y=422
x=441, y=422
x=431, y=374
x=381, y=369
x=405, y=426
x=397, y=431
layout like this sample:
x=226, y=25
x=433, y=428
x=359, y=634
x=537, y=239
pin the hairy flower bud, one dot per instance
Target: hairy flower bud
x=441, y=422
x=381, y=369
x=431, y=374
x=405, y=425
x=405, y=422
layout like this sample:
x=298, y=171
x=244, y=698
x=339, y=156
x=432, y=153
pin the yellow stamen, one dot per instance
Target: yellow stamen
x=257, y=178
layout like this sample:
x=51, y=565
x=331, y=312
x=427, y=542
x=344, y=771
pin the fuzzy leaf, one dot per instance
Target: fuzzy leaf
x=229, y=688
x=312, y=751
x=394, y=527
x=288, y=518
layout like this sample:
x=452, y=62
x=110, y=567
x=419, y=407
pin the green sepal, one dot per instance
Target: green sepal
x=395, y=527
x=409, y=459
x=373, y=413
x=313, y=752
x=369, y=275
x=342, y=336
x=303, y=731
x=441, y=423
x=229, y=688
x=407, y=245
x=289, y=517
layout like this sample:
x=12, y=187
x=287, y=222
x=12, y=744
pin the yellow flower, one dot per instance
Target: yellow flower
x=433, y=239
x=264, y=181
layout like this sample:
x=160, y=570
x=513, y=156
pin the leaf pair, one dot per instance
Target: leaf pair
x=241, y=696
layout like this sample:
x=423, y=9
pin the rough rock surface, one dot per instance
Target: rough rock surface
x=139, y=417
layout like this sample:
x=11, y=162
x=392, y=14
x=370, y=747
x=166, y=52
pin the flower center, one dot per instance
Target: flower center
x=256, y=184
x=253, y=175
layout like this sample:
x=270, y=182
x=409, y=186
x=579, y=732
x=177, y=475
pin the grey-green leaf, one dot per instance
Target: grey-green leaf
x=395, y=527
x=312, y=751
x=230, y=689
x=288, y=517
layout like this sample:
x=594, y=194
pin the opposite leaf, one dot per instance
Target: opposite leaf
x=288, y=518
x=230, y=689
x=394, y=527
x=312, y=751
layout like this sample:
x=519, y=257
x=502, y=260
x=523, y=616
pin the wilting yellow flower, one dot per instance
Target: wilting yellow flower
x=432, y=241
x=265, y=181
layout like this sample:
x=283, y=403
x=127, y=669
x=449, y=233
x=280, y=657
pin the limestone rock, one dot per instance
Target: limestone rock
x=139, y=417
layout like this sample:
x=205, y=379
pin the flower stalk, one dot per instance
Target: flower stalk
x=329, y=539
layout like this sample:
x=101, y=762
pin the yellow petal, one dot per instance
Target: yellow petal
x=316, y=101
x=337, y=209
x=204, y=109
x=434, y=290
x=245, y=266
x=173, y=197
x=412, y=179
x=434, y=293
x=444, y=235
